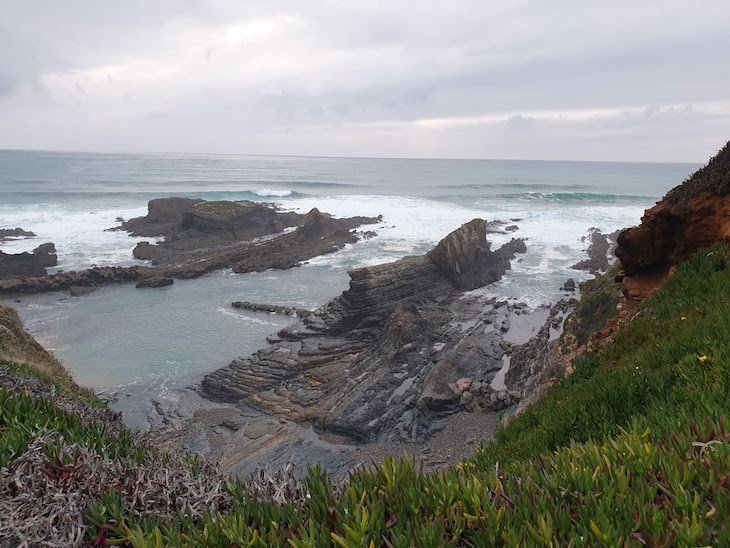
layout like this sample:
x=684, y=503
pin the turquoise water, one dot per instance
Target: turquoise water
x=153, y=341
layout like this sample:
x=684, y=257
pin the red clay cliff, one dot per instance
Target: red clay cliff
x=691, y=216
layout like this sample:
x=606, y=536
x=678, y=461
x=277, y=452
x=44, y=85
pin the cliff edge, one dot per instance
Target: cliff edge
x=691, y=216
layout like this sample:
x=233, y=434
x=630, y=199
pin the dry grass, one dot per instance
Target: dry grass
x=18, y=346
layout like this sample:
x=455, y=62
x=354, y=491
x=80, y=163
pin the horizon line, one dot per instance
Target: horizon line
x=336, y=157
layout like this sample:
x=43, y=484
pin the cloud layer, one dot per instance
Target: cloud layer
x=554, y=80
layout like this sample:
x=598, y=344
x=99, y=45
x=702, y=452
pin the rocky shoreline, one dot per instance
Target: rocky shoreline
x=199, y=237
x=409, y=359
x=397, y=358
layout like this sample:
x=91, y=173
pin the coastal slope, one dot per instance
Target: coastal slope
x=691, y=216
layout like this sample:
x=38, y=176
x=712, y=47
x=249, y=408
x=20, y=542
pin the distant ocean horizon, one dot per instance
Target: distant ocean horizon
x=120, y=337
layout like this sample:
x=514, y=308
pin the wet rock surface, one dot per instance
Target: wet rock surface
x=15, y=265
x=154, y=281
x=12, y=233
x=598, y=253
x=524, y=379
x=376, y=363
x=93, y=277
x=271, y=308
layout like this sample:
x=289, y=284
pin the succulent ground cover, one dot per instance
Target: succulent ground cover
x=632, y=449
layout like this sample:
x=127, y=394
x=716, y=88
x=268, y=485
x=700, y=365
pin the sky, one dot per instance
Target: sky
x=572, y=79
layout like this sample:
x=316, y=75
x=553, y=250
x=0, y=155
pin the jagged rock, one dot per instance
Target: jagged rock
x=528, y=360
x=154, y=282
x=569, y=285
x=28, y=264
x=164, y=216
x=6, y=233
x=370, y=364
x=467, y=260
x=271, y=308
x=691, y=216
x=598, y=250
x=319, y=234
x=93, y=277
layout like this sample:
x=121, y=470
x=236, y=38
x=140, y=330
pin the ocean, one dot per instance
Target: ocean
x=146, y=344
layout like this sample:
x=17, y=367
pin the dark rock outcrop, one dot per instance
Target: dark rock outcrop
x=6, y=233
x=80, y=291
x=598, y=251
x=691, y=216
x=319, y=234
x=190, y=225
x=377, y=361
x=164, y=217
x=28, y=264
x=91, y=278
x=154, y=281
x=467, y=260
x=271, y=308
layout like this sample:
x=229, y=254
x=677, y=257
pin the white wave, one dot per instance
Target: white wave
x=266, y=192
x=242, y=316
x=79, y=233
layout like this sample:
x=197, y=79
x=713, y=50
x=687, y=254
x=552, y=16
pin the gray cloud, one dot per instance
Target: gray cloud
x=460, y=79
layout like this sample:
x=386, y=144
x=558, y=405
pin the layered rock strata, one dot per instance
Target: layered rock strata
x=377, y=362
x=691, y=216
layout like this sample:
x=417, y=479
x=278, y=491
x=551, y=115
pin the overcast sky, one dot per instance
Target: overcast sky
x=618, y=80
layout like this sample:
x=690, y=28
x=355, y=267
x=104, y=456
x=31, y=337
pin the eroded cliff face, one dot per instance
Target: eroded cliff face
x=693, y=215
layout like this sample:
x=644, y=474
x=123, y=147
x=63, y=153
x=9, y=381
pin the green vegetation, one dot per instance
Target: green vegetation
x=633, y=448
x=223, y=208
x=18, y=347
x=598, y=301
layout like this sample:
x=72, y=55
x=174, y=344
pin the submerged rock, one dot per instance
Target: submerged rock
x=271, y=308
x=154, y=281
x=80, y=291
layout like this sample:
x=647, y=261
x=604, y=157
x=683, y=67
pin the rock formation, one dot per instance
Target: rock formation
x=7, y=233
x=598, y=251
x=90, y=278
x=154, y=281
x=271, y=308
x=26, y=264
x=691, y=216
x=164, y=217
x=189, y=225
x=467, y=260
x=377, y=362
x=318, y=234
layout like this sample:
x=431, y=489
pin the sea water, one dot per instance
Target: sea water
x=152, y=341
